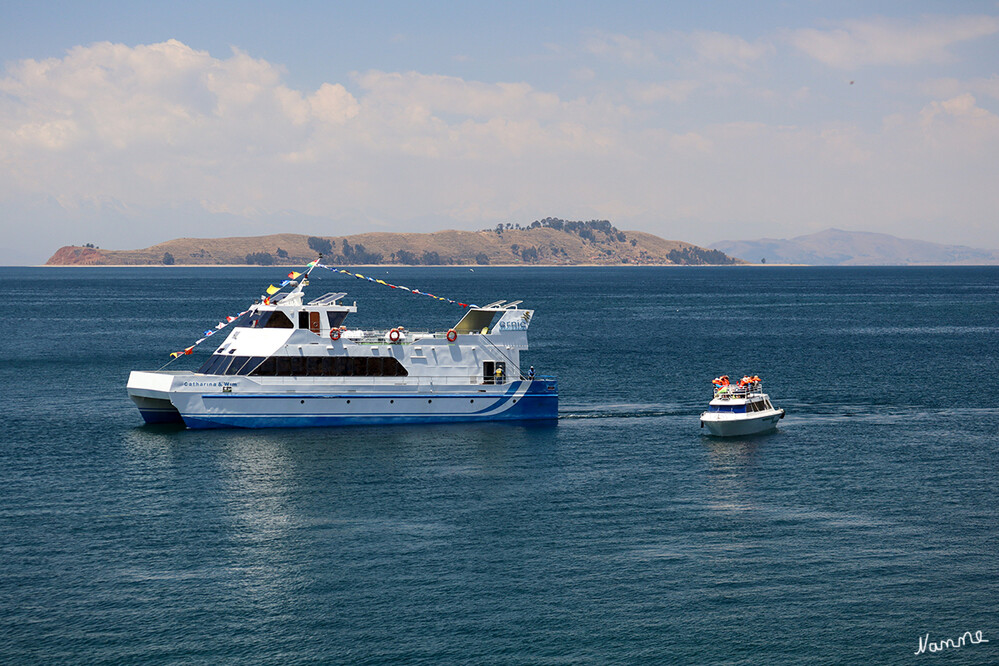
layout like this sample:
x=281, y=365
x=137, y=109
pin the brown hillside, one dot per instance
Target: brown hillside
x=539, y=245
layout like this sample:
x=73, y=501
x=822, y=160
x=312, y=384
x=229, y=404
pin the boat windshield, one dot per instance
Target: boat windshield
x=267, y=319
x=732, y=409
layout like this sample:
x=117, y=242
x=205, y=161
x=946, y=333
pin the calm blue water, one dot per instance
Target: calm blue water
x=621, y=535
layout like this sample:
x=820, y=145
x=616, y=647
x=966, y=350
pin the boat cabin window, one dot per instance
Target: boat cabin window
x=309, y=319
x=331, y=366
x=476, y=321
x=336, y=318
x=223, y=364
x=275, y=319
x=734, y=409
x=253, y=321
x=236, y=367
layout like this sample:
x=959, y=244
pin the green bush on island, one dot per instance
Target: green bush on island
x=260, y=258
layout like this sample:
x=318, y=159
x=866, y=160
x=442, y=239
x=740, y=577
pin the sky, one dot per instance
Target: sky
x=125, y=124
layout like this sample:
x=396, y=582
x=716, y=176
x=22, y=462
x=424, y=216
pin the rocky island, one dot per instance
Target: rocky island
x=551, y=241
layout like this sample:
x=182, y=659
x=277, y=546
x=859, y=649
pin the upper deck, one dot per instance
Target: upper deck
x=324, y=315
x=735, y=394
x=284, y=335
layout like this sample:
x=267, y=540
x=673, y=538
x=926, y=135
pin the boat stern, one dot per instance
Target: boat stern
x=150, y=391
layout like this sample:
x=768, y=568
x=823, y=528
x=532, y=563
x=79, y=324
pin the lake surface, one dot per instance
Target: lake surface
x=620, y=535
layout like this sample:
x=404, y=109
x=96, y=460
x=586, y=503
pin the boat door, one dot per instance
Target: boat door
x=493, y=372
x=314, y=322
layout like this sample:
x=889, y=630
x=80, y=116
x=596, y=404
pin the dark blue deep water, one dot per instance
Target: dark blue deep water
x=620, y=535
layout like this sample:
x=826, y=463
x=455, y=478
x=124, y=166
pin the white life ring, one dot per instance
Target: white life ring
x=452, y=335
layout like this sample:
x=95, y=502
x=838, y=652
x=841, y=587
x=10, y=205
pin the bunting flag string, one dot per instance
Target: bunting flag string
x=294, y=275
x=271, y=290
x=209, y=333
x=358, y=276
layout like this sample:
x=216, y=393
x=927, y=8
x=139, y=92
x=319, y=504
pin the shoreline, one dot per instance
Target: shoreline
x=370, y=266
x=486, y=266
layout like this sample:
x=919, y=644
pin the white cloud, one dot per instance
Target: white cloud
x=883, y=41
x=729, y=49
x=154, y=125
x=675, y=47
x=212, y=146
x=623, y=48
x=449, y=94
x=674, y=91
x=951, y=87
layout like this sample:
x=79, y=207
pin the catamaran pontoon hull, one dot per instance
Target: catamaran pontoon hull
x=288, y=363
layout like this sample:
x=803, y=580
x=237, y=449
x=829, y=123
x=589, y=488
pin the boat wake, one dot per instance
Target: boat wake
x=626, y=411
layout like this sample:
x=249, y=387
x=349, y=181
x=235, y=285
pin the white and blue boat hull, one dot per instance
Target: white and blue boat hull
x=230, y=405
x=741, y=425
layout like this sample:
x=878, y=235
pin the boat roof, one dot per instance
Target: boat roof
x=481, y=317
x=477, y=319
x=328, y=299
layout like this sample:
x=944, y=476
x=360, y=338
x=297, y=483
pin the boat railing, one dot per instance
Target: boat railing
x=406, y=337
x=410, y=380
x=382, y=337
x=734, y=391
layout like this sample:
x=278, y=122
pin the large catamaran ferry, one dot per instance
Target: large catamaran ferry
x=288, y=362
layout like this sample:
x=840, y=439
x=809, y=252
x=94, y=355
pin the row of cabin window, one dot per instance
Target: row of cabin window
x=305, y=366
x=737, y=409
x=278, y=319
x=740, y=409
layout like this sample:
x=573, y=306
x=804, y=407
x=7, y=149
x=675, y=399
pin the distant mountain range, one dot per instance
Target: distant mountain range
x=545, y=242
x=835, y=247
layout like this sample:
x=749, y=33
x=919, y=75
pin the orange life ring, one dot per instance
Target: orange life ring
x=394, y=335
x=452, y=335
x=335, y=334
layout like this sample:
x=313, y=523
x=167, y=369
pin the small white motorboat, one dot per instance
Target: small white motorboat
x=740, y=409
